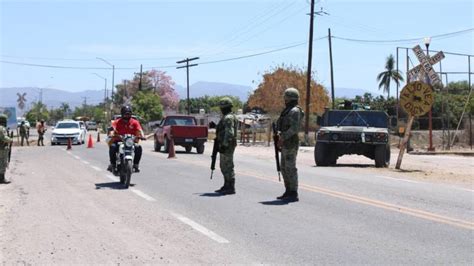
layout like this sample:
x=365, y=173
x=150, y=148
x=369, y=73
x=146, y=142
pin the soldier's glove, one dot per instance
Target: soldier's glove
x=280, y=143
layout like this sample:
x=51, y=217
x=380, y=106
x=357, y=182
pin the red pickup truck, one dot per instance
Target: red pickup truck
x=184, y=132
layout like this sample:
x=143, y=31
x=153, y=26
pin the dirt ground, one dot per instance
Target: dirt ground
x=441, y=168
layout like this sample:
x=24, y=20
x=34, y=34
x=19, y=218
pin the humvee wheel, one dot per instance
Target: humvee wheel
x=382, y=155
x=321, y=154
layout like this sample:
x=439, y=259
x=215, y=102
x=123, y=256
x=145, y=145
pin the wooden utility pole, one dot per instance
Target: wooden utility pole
x=332, y=72
x=308, y=75
x=187, y=66
x=308, y=78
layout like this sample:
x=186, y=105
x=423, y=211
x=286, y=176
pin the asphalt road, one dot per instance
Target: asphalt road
x=346, y=215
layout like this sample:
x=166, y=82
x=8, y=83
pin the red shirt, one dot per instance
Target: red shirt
x=123, y=127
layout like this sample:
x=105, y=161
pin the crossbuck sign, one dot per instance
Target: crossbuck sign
x=426, y=66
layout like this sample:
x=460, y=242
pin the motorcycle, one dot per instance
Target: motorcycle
x=125, y=155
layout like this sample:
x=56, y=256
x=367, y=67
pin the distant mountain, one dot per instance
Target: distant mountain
x=350, y=92
x=50, y=97
x=54, y=97
x=203, y=88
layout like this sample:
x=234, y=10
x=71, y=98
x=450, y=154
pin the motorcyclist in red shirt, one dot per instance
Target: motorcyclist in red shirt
x=126, y=124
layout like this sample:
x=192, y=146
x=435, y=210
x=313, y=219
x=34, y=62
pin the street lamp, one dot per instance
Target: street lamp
x=105, y=91
x=113, y=74
x=427, y=42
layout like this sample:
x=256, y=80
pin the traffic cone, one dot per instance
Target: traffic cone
x=89, y=143
x=171, y=151
x=98, y=136
x=68, y=144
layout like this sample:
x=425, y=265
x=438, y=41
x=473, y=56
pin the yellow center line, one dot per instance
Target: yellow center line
x=366, y=201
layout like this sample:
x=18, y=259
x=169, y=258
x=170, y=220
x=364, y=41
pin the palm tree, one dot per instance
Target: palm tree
x=388, y=75
x=65, y=108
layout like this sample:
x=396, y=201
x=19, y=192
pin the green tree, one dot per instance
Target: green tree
x=65, y=108
x=450, y=103
x=147, y=105
x=388, y=75
x=209, y=103
x=37, y=112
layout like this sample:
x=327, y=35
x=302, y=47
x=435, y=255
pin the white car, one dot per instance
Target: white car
x=91, y=125
x=69, y=129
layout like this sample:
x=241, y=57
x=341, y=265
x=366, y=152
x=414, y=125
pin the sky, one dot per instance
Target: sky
x=55, y=44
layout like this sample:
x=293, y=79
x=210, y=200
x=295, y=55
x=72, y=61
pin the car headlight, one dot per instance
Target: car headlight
x=129, y=142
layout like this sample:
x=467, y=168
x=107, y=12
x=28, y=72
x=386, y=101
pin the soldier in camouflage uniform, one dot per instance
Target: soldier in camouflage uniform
x=24, y=133
x=288, y=127
x=227, y=140
x=4, y=148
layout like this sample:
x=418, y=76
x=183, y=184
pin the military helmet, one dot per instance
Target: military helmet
x=292, y=94
x=126, y=109
x=225, y=102
x=3, y=119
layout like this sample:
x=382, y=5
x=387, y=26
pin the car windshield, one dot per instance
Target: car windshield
x=356, y=118
x=67, y=125
x=180, y=121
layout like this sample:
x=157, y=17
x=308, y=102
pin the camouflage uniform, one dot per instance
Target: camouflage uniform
x=227, y=140
x=289, y=125
x=4, y=148
x=24, y=133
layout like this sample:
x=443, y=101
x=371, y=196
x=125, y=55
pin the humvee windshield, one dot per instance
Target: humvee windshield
x=355, y=118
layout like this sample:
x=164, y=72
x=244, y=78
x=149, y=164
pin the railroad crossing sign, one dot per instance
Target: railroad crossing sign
x=416, y=98
x=426, y=66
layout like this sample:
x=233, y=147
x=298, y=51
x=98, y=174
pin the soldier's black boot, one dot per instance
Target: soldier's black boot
x=230, y=188
x=292, y=196
x=287, y=191
x=3, y=180
x=224, y=187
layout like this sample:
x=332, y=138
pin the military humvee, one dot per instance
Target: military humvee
x=352, y=132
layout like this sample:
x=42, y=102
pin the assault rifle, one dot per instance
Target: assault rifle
x=10, y=147
x=215, y=150
x=275, y=144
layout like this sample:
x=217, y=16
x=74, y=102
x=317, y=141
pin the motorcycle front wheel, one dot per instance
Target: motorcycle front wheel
x=128, y=173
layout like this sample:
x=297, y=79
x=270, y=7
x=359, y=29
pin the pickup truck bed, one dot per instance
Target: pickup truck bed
x=184, y=132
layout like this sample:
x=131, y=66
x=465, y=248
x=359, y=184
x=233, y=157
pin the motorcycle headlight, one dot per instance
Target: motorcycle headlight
x=129, y=142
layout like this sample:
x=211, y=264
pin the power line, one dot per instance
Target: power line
x=445, y=35
x=251, y=26
x=78, y=59
x=55, y=66
x=257, y=54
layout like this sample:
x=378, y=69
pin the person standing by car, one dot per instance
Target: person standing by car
x=41, y=128
x=4, y=148
x=227, y=139
x=126, y=124
x=288, y=126
x=24, y=133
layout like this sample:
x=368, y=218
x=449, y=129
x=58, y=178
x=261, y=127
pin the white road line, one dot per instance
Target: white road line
x=85, y=162
x=77, y=157
x=96, y=168
x=203, y=230
x=399, y=179
x=143, y=195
